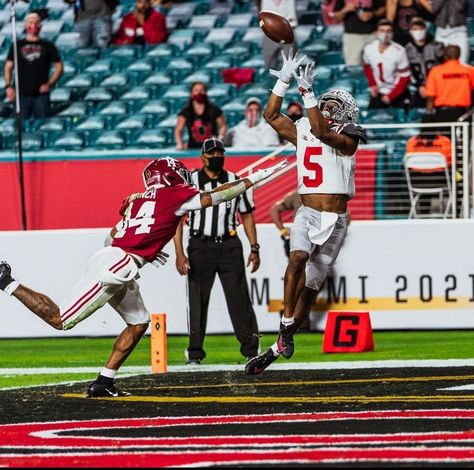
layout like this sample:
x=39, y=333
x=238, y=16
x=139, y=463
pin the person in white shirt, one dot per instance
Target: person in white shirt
x=253, y=131
x=387, y=69
x=271, y=49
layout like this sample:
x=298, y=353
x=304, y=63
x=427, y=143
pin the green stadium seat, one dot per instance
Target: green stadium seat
x=234, y=111
x=167, y=126
x=332, y=59
x=155, y=110
x=111, y=140
x=76, y=110
x=135, y=122
x=161, y=54
x=199, y=53
x=182, y=38
x=222, y=92
x=97, y=94
x=254, y=35
x=177, y=96
x=160, y=79
x=179, y=68
x=32, y=142
x=67, y=41
x=68, y=141
x=83, y=57
x=123, y=55
x=346, y=84
x=80, y=84
x=117, y=81
x=256, y=89
x=362, y=100
x=241, y=21
x=256, y=61
x=183, y=11
x=206, y=22
x=304, y=33
x=151, y=138
x=220, y=37
x=240, y=51
x=99, y=70
x=60, y=95
x=136, y=93
x=50, y=29
x=200, y=76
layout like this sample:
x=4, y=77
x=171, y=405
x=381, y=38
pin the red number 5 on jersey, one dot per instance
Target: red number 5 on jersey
x=315, y=180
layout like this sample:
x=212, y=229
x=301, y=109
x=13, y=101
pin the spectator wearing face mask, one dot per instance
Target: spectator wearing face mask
x=294, y=111
x=423, y=53
x=253, y=131
x=387, y=69
x=202, y=118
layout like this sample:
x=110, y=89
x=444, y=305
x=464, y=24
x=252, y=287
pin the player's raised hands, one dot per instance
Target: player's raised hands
x=290, y=65
x=305, y=78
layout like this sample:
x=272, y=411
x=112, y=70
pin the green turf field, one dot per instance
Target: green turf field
x=221, y=349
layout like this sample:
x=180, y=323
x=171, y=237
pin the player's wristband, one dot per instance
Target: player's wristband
x=280, y=88
x=309, y=100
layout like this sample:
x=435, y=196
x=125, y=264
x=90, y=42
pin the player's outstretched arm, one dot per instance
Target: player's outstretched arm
x=272, y=114
x=231, y=190
x=319, y=125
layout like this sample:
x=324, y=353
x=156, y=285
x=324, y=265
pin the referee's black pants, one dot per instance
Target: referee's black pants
x=208, y=258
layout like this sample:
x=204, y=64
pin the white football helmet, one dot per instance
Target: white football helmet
x=345, y=107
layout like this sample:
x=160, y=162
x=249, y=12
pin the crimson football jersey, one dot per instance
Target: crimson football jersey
x=150, y=220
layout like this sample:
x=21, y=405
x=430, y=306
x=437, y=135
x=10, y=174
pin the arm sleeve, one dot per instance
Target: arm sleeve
x=192, y=204
x=55, y=56
x=369, y=74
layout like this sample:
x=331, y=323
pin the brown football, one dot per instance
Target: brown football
x=276, y=27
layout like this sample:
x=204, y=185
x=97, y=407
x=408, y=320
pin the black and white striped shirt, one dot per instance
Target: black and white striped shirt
x=218, y=220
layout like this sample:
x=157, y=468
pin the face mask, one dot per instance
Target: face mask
x=199, y=97
x=216, y=164
x=33, y=29
x=385, y=38
x=418, y=34
x=253, y=117
x=295, y=117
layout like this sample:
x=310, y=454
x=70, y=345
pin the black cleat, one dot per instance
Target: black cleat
x=258, y=364
x=5, y=275
x=193, y=362
x=286, y=345
x=102, y=390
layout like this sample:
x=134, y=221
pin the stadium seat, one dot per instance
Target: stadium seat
x=139, y=70
x=76, y=110
x=179, y=68
x=304, y=33
x=137, y=121
x=205, y=22
x=151, y=138
x=122, y=56
x=116, y=81
x=161, y=54
x=222, y=92
x=183, y=11
x=234, y=111
x=258, y=90
x=332, y=59
x=220, y=37
x=240, y=51
x=83, y=57
x=160, y=79
x=177, y=96
x=182, y=38
x=32, y=141
x=50, y=29
x=111, y=140
x=67, y=41
x=68, y=141
x=112, y=112
x=254, y=35
x=200, y=76
x=241, y=21
x=137, y=93
x=80, y=84
x=97, y=94
x=199, y=53
x=257, y=61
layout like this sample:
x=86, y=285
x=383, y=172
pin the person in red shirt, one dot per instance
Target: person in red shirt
x=149, y=221
x=143, y=26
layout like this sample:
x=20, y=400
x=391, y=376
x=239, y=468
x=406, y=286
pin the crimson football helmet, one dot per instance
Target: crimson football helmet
x=166, y=171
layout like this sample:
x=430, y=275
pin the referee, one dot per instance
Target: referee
x=214, y=248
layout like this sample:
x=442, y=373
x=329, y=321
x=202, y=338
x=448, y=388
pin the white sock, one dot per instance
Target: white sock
x=274, y=348
x=287, y=321
x=110, y=373
x=11, y=287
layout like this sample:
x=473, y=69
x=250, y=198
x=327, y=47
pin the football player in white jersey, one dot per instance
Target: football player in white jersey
x=326, y=142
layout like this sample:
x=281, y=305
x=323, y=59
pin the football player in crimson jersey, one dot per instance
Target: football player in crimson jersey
x=149, y=222
x=326, y=142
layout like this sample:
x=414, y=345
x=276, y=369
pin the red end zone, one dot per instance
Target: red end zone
x=48, y=445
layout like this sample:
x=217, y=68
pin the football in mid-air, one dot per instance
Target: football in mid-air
x=276, y=27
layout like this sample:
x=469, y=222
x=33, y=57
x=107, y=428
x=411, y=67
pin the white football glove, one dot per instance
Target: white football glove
x=305, y=78
x=260, y=175
x=161, y=259
x=290, y=65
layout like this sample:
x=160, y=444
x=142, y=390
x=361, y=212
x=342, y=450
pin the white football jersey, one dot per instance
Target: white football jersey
x=321, y=169
x=387, y=66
